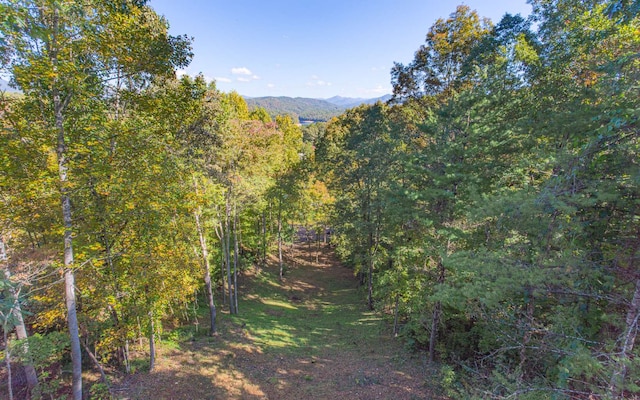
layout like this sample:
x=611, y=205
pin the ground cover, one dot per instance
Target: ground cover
x=307, y=337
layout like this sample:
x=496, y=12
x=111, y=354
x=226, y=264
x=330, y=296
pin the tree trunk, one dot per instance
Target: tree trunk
x=207, y=273
x=69, y=276
x=435, y=317
x=61, y=152
x=395, y=316
x=370, y=273
x=223, y=259
x=127, y=364
x=236, y=260
x=370, y=285
x=264, y=239
x=95, y=361
x=152, y=342
x=526, y=336
x=433, y=337
x=628, y=339
x=280, y=262
x=227, y=250
x=317, y=247
x=7, y=355
x=21, y=332
x=207, y=266
x=140, y=334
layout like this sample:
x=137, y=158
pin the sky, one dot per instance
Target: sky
x=310, y=48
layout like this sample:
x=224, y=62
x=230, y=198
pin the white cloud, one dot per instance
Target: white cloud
x=315, y=81
x=270, y=85
x=181, y=72
x=378, y=91
x=222, y=79
x=241, y=71
x=245, y=74
x=208, y=79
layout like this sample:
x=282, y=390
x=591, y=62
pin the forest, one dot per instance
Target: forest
x=490, y=210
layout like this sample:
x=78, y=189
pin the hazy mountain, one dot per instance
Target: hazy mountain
x=309, y=109
x=350, y=102
x=303, y=108
x=345, y=101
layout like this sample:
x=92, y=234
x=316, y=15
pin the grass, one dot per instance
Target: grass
x=305, y=313
x=309, y=336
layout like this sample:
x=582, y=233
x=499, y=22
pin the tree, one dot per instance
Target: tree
x=260, y=114
x=509, y=168
x=359, y=152
x=437, y=66
x=61, y=62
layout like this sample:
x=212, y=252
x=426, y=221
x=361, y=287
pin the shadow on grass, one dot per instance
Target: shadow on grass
x=309, y=336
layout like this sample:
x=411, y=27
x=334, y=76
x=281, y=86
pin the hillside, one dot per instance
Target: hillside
x=309, y=109
x=303, y=108
x=350, y=102
x=309, y=336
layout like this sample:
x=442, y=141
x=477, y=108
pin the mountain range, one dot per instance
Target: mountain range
x=307, y=109
x=350, y=102
x=304, y=109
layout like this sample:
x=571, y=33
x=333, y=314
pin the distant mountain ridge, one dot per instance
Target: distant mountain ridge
x=308, y=109
x=350, y=102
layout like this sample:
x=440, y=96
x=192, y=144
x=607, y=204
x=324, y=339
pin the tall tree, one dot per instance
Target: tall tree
x=61, y=61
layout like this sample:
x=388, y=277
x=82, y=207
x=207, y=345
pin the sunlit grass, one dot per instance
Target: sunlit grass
x=278, y=303
x=310, y=336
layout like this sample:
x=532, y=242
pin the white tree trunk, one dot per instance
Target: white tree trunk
x=207, y=274
x=236, y=260
x=69, y=276
x=227, y=246
x=7, y=356
x=280, y=262
x=21, y=332
x=152, y=342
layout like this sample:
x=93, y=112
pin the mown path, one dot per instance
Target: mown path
x=309, y=337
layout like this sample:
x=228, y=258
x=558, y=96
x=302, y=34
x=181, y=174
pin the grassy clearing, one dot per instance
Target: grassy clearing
x=308, y=337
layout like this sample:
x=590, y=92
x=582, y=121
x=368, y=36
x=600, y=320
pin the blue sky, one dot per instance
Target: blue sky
x=310, y=48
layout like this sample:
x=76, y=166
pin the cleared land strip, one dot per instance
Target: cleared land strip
x=308, y=337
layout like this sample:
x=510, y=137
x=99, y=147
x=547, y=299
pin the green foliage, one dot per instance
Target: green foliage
x=260, y=114
x=46, y=353
x=238, y=106
x=509, y=197
x=44, y=350
x=99, y=391
x=438, y=64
